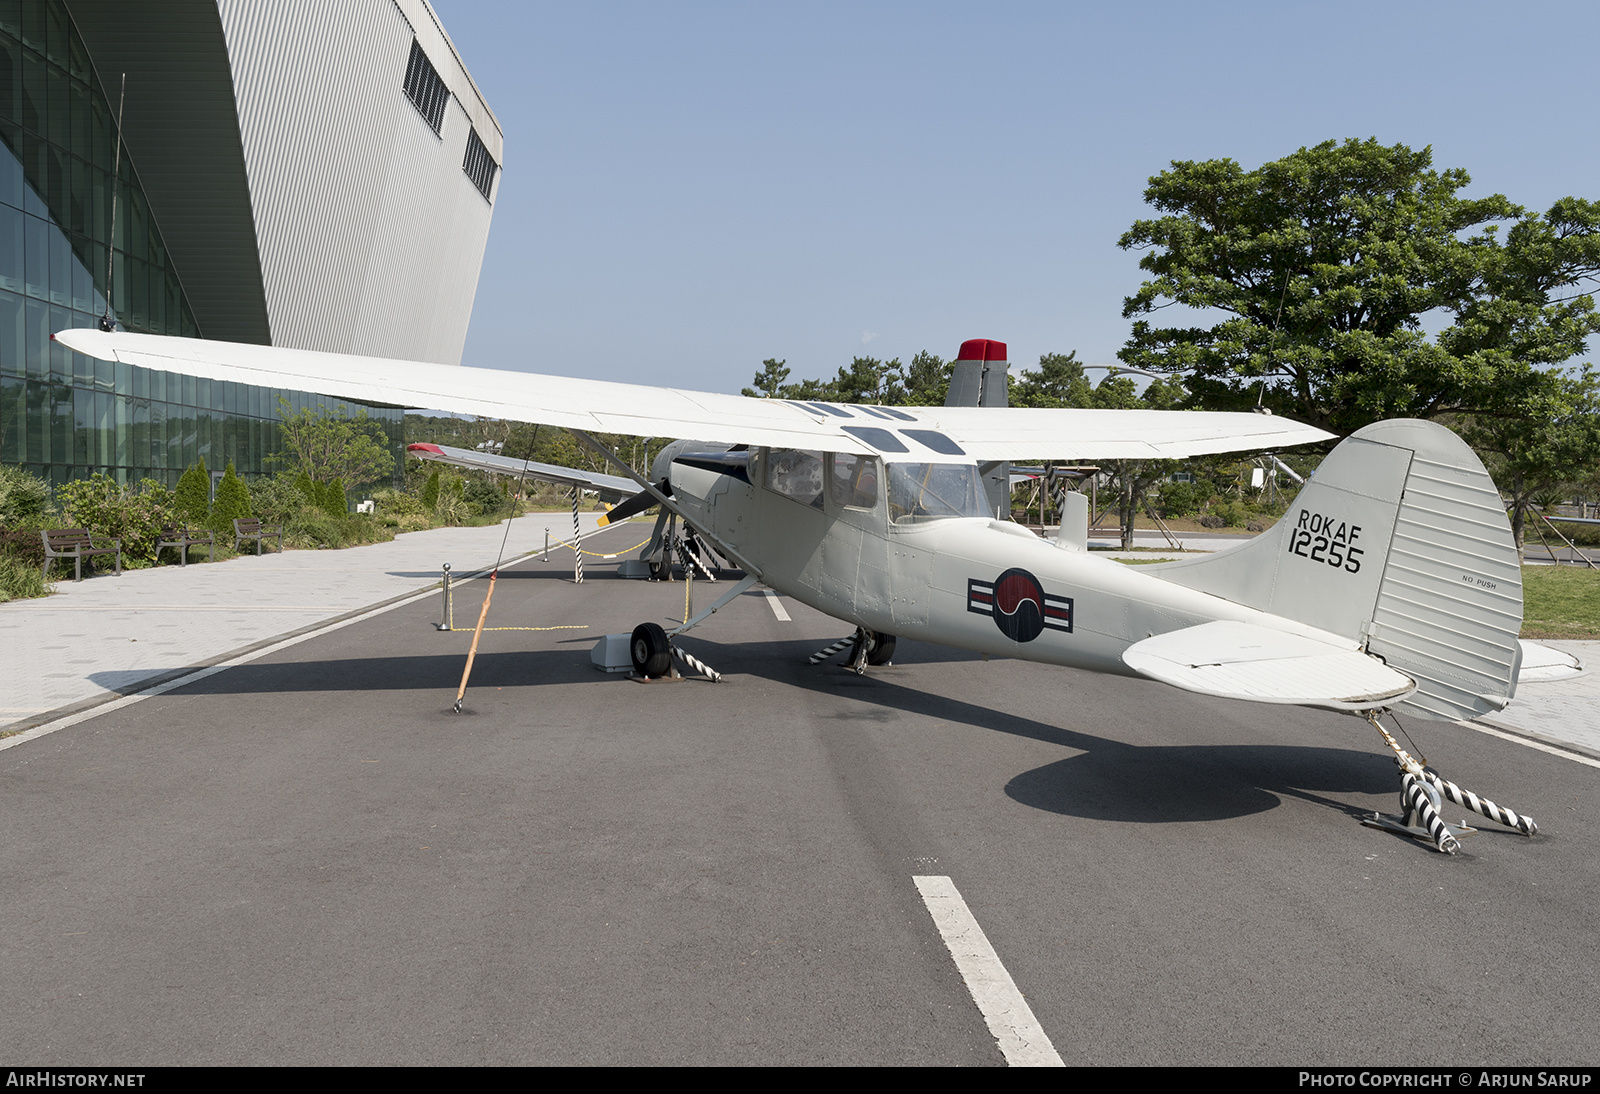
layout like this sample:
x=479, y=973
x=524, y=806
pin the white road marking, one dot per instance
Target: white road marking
x=776, y=605
x=200, y=674
x=1022, y=1040
x=1482, y=727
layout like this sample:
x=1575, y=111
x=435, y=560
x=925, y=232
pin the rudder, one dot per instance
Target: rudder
x=1399, y=541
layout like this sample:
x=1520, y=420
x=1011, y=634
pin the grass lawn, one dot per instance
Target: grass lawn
x=1560, y=602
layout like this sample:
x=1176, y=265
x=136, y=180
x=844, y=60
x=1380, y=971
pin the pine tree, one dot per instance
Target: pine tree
x=233, y=502
x=333, y=500
x=430, y=492
x=193, y=496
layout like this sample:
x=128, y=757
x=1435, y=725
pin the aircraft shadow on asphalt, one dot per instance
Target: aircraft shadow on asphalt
x=1112, y=780
x=1105, y=779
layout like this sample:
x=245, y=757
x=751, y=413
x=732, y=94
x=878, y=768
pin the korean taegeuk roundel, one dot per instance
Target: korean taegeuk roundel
x=1019, y=605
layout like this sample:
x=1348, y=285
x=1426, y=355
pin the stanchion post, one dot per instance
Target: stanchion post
x=577, y=549
x=444, y=608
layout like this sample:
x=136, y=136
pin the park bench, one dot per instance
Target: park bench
x=248, y=528
x=77, y=544
x=180, y=538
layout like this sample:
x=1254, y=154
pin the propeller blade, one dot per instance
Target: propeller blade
x=631, y=507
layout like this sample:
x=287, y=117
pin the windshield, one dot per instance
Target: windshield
x=934, y=491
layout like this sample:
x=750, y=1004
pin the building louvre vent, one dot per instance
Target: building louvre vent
x=424, y=87
x=479, y=165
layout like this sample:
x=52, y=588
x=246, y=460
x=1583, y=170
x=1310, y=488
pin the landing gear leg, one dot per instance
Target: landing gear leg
x=1421, y=801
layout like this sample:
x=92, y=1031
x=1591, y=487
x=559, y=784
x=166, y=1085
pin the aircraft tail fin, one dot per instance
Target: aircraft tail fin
x=1400, y=542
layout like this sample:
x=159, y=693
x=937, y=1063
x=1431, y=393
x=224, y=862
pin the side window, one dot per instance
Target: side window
x=796, y=474
x=854, y=481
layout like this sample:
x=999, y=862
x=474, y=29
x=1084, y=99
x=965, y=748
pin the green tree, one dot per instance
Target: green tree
x=926, y=380
x=1059, y=381
x=192, y=499
x=331, y=498
x=769, y=381
x=430, y=492
x=232, y=503
x=1553, y=449
x=326, y=446
x=1324, y=264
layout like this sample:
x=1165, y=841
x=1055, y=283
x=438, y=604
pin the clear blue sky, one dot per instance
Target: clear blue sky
x=692, y=187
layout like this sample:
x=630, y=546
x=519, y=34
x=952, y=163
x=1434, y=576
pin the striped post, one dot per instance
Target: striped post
x=577, y=548
x=1482, y=806
x=1416, y=799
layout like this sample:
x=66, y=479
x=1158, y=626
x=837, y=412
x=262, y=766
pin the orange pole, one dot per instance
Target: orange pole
x=476, y=634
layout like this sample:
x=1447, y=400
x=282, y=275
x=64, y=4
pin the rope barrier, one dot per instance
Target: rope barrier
x=597, y=554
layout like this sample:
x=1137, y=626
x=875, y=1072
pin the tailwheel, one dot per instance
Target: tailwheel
x=880, y=648
x=651, y=651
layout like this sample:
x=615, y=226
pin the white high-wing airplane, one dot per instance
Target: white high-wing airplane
x=1392, y=583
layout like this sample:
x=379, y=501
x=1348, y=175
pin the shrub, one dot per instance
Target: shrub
x=276, y=500
x=24, y=497
x=430, y=492
x=192, y=499
x=399, y=503
x=20, y=579
x=331, y=498
x=1179, y=499
x=233, y=502
x=452, y=507
x=483, y=498
x=22, y=545
x=108, y=509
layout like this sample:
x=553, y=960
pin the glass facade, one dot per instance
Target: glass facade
x=63, y=415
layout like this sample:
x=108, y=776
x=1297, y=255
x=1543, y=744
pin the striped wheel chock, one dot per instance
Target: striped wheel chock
x=1482, y=806
x=1416, y=798
x=828, y=651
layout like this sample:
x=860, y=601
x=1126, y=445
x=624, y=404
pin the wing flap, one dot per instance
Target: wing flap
x=1247, y=661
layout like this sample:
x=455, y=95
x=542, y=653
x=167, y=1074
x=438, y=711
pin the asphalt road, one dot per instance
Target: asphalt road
x=307, y=859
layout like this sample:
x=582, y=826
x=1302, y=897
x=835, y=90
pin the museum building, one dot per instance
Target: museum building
x=317, y=175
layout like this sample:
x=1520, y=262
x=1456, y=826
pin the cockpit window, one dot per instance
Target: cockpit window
x=934, y=491
x=796, y=474
x=855, y=481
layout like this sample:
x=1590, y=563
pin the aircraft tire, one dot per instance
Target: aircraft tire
x=652, y=652
x=882, y=651
x=660, y=571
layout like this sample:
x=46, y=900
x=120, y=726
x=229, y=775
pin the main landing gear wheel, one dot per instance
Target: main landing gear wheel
x=652, y=653
x=880, y=648
x=660, y=570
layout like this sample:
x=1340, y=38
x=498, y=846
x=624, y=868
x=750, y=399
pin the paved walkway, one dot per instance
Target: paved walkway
x=107, y=636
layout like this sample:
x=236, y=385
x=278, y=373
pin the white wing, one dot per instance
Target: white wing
x=602, y=406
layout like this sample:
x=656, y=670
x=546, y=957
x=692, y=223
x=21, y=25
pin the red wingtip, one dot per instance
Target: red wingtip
x=982, y=349
x=435, y=449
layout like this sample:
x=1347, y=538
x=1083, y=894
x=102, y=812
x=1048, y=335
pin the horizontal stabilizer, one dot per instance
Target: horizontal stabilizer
x=508, y=465
x=1246, y=661
x=1542, y=663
